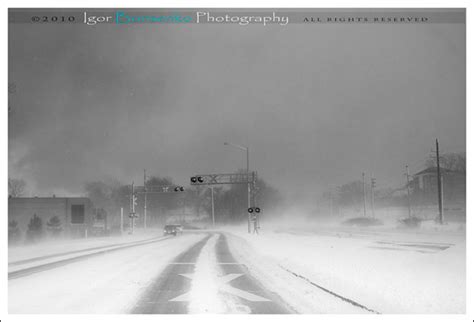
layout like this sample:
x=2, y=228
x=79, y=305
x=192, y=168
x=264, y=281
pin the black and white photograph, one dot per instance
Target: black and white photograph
x=236, y=161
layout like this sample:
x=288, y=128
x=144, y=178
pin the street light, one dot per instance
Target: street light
x=246, y=149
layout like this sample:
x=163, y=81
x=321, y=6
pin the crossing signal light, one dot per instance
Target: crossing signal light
x=178, y=189
x=372, y=182
x=197, y=179
x=253, y=209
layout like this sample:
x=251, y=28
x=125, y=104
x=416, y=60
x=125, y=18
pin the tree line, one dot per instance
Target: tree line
x=230, y=201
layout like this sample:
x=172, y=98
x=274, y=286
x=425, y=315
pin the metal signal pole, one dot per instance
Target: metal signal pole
x=440, y=185
x=212, y=207
x=363, y=187
x=246, y=149
x=133, y=208
x=144, y=206
x=121, y=220
x=408, y=190
x=372, y=188
x=248, y=187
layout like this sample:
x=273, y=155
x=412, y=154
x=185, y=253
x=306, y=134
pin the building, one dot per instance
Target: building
x=425, y=186
x=76, y=215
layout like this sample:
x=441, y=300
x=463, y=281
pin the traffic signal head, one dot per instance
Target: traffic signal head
x=178, y=189
x=253, y=209
x=197, y=179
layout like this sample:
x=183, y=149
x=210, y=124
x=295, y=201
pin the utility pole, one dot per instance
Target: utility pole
x=440, y=185
x=408, y=190
x=184, y=209
x=121, y=220
x=132, y=214
x=330, y=202
x=212, y=207
x=144, y=206
x=372, y=188
x=363, y=188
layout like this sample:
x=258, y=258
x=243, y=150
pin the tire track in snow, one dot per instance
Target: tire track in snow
x=159, y=295
x=345, y=299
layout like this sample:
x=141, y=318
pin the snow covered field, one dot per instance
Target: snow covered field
x=384, y=270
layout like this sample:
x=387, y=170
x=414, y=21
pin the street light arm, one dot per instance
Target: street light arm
x=248, y=183
x=236, y=146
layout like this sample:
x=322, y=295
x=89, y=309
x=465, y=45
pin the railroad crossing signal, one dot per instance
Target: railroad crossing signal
x=248, y=178
x=197, y=180
x=179, y=189
x=253, y=209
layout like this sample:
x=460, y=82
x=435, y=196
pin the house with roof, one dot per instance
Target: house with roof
x=424, y=188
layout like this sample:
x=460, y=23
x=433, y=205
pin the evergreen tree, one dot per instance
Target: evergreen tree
x=54, y=226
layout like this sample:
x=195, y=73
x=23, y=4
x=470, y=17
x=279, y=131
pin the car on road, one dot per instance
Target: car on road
x=172, y=230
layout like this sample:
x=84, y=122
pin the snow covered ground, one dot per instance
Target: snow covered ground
x=312, y=268
x=386, y=270
x=111, y=283
x=57, y=246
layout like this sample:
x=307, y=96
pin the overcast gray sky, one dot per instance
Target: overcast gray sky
x=316, y=104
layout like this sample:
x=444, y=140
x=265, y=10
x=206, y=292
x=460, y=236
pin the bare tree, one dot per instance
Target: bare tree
x=450, y=161
x=16, y=187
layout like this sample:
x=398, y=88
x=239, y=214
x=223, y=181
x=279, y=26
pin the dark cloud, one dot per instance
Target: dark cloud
x=316, y=104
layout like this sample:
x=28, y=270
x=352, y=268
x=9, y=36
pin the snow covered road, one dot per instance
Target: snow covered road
x=207, y=279
x=231, y=272
x=110, y=283
x=192, y=273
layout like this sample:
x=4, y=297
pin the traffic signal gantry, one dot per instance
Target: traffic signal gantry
x=226, y=178
x=233, y=178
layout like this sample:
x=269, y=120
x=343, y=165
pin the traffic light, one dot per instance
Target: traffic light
x=178, y=189
x=197, y=179
x=372, y=182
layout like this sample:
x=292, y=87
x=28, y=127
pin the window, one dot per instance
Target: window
x=77, y=214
